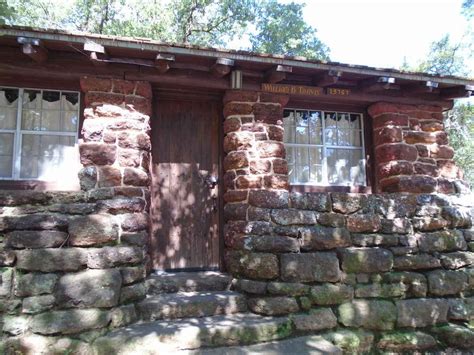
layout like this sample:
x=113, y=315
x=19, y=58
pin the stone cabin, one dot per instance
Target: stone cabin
x=156, y=198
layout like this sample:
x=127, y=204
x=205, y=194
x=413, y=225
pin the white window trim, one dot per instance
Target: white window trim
x=18, y=132
x=324, y=147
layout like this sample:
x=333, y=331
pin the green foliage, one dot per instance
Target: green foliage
x=6, y=12
x=281, y=29
x=269, y=25
x=460, y=127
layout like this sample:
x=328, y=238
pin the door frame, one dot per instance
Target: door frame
x=191, y=95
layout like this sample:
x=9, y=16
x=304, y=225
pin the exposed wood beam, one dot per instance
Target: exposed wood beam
x=34, y=49
x=329, y=78
x=426, y=87
x=162, y=62
x=278, y=73
x=222, y=67
x=457, y=92
x=97, y=53
x=378, y=84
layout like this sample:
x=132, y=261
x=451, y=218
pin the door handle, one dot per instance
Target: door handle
x=211, y=181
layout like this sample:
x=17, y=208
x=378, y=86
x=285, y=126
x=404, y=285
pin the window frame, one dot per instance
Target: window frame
x=18, y=132
x=326, y=186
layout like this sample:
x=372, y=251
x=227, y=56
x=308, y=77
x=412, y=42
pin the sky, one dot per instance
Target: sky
x=381, y=33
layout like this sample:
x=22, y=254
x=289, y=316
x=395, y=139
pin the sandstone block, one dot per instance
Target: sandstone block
x=135, y=177
x=329, y=294
x=35, y=239
x=235, y=160
x=446, y=282
x=322, y=238
x=123, y=315
x=252, y=265
x=378, y=315
x=38, y=221
x=34, y=284
x=416, y=262
x=457, y=259
x=367, y=223
x=89, y=288
x=49, y=260
x=374, y=240
x=348, y=202
x=456, y=336
x=332, y=220
x=273, y=306
x=287, y=289
x=132, y=274
x=93, y=230
x=310, y=267
x=250, y=286
x=268, y=199
x=416, y=283
x=310, y=201
x=108, y=257
x=423, y=312
x=271, y=243
x=6, y=282
x=366, y=260
x=69, y=322
x=37, y=304
x=395, y=167
x=315, y=320
x=378, y=290
x=446, y=240
x=268, y=113
x=134, y=222
x=402, y=341
x=97, y=153
x=109, y=176
x=132, y=293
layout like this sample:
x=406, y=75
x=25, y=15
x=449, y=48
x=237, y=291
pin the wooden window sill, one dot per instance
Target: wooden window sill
x=311, y=188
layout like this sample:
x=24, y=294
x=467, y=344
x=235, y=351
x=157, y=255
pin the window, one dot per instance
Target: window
x=38, y=133
x=324, y=147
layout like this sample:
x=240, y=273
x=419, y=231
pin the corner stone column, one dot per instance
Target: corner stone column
x=255, y=178
x=411, y=150
x=115, y=146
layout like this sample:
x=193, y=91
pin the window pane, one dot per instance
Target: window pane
x=50, y=121
x=316, y=161
x=6, y=154
x=32, y=99
x=8, y=108
x=355, y=119
x=349, y=137
x=330, y=120
x=331, y=136
x=51, y=100
x=70, y=120
x=302, y=164
x=345, y=167
x=290, y=155
x=5, y=166
x=70, y=101
x=302, y=135
x=46, y=156
x=31, y=120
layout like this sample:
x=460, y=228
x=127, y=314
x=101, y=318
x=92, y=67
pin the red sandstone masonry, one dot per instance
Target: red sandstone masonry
x=411, y=149
x=115, y=142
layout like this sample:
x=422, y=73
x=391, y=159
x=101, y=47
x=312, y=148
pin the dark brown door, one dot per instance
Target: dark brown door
x=184, y=204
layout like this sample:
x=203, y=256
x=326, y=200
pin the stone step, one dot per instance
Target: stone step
x=310, y=344
x=191, y=304
x=166, y=282
x=164, y=337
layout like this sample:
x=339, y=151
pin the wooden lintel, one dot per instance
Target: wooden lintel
x=278, y=73
x=38, y=53
x=162, y=62
x=378, y=84
x=222, y=67
x=457, y=92
x=329, y=78
x=97, y=53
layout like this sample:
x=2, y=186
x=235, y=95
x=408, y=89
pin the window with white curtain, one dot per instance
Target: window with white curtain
x=324, y=147
x=38, y=134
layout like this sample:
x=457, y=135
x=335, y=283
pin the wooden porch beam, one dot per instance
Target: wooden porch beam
x=278, y=73
x=222, y=67
x=457, y=92
x=34, y=49
x=329, y=78
x=378, y=84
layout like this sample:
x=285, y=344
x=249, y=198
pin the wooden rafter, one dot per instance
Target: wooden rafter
x=222, y=67
x=457, y=92
x=97, y=53
x=162, y=62
x=34, y=49
x=425, y=87
x=329, y=78
x=278, y=73
x=380, y=83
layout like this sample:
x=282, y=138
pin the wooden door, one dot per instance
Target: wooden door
x=184, y=206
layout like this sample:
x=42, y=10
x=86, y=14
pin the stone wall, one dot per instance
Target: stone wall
x=411, y=150
x=340, y=261
x=372, y=262
x=72, y=264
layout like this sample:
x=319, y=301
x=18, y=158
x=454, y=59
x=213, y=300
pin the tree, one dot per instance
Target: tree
x=282, y=30
x=269, y=25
